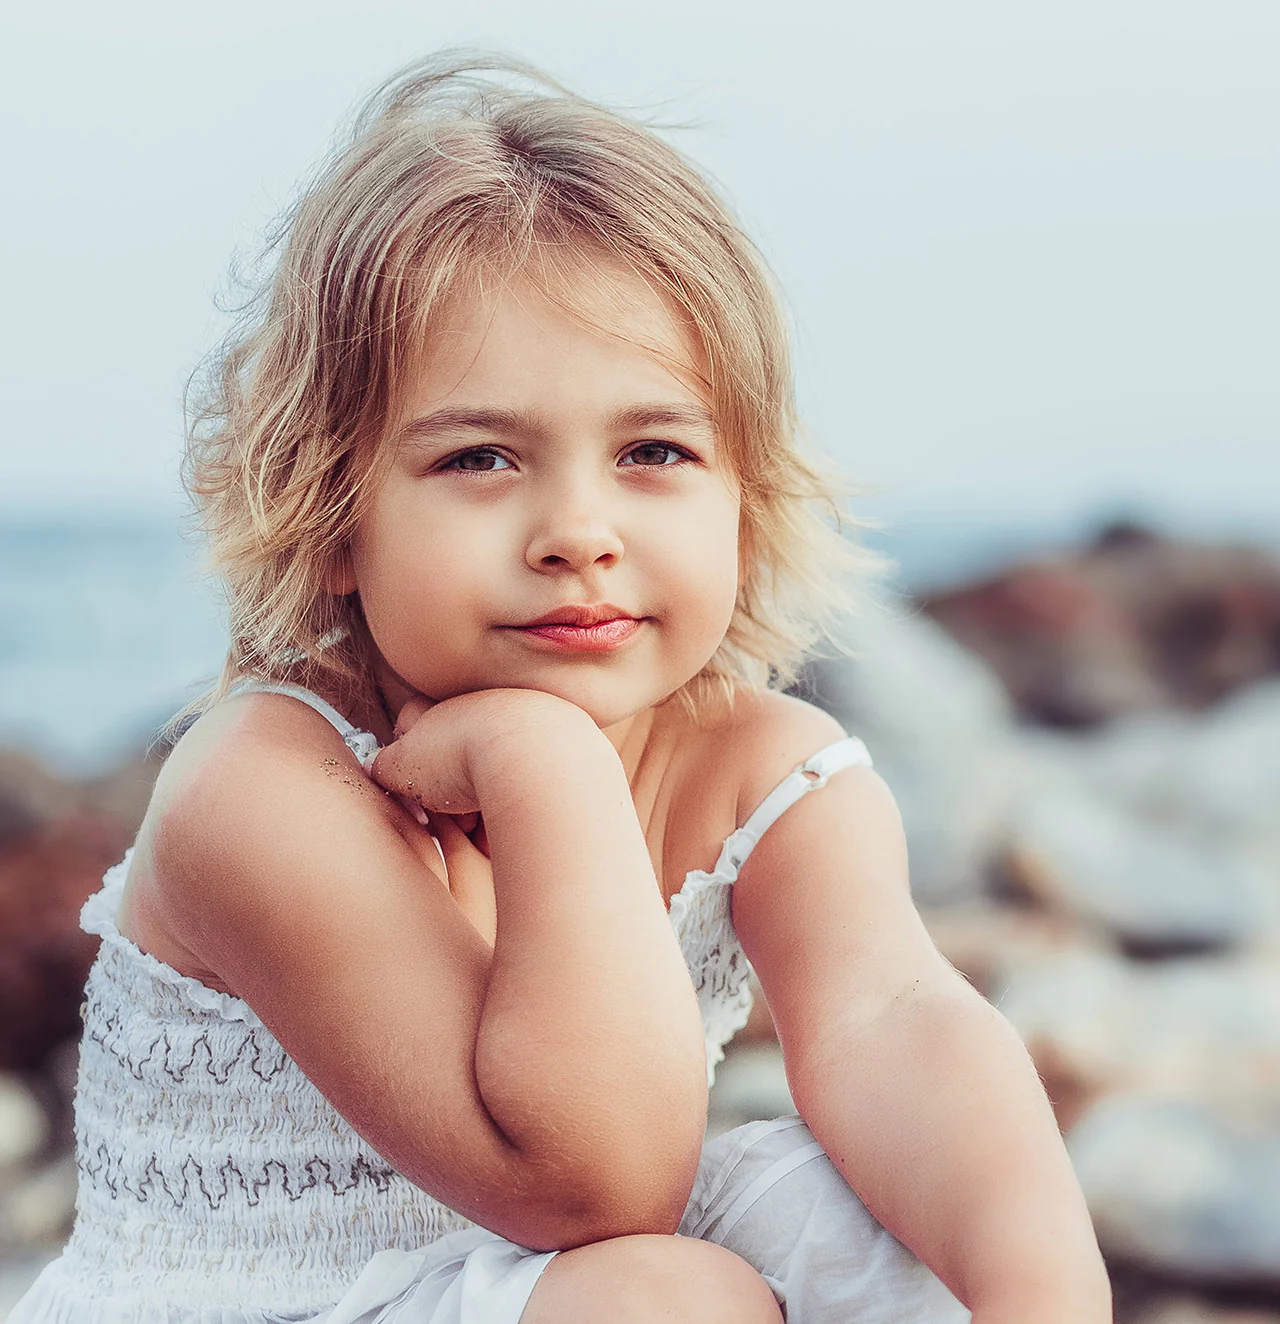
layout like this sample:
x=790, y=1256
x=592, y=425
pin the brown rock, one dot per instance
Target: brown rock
x=57, y=839
x=44, y=955
x=1132, y=623
x=1187, y=1309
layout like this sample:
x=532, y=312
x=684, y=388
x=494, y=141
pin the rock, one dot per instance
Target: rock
x=986, y=942
x=1187, y=1309
x=23, y=1128
x=57, y=839
x=939, y=727
x=751, y=1084
x=1164, y=825
x=1134, y=622
x=39, y=1211
x=1184, y=1188
x=1219, y=770
x=30, y=796
x=1234, y=779
x=44, y=955
x=1155, y=884
x=1206, y=1028
x=125, y=792
x=1067, y=654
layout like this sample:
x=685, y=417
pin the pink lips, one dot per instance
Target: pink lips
x=598, y=638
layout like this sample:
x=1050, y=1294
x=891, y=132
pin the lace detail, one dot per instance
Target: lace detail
x=701, y=911
x=718, y=966
x=364, y=745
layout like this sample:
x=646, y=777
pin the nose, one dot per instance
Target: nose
x=576, y=530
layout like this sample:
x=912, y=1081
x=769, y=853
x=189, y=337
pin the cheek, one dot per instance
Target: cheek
x=709, y=560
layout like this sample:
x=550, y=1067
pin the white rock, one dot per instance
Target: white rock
x=23, y=1126
x=1182, y=1187
x=1208, y=1028
x=39, y=1210
x=1151, y=881
x=939, y=726
x=751, y=1084
x=1219, y=770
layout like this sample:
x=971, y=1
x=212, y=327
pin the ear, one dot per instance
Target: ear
x=340, y=578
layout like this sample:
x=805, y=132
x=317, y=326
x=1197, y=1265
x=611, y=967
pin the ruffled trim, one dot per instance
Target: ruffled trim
x=732, y=1020
x=98, y=916
x=364, y=745
x=695, y=881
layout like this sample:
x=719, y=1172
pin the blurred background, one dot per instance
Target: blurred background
x=1031, y=261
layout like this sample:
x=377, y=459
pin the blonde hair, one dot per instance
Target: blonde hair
x=446, y=174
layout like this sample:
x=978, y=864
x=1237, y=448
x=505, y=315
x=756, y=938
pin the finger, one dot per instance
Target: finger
x=410, y=712
x=396, y=769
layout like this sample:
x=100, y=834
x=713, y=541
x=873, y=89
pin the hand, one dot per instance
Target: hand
x=443, y=751
x=426, y=765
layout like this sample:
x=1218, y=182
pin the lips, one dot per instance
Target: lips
x=581, y=616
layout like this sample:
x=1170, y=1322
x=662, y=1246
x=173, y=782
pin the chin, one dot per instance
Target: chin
x=605, y=710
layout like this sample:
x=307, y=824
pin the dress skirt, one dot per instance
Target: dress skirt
x=766, y=1191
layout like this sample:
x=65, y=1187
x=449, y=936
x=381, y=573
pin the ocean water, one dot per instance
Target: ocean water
x=106, y=629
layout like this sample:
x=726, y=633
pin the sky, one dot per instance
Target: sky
x=1030, y=251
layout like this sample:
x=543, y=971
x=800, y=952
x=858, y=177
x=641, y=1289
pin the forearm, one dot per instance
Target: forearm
x=934, y=1114
x=589, y=1053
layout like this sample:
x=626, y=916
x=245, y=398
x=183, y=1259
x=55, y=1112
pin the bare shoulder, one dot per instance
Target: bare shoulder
x=823, y=904
x=243, y=789
x=768, y=734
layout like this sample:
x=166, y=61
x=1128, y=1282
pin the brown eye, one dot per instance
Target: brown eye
x=658, y=448
x=463, y=461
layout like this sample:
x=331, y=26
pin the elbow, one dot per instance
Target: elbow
x=581, y=1223
x=623, y=1198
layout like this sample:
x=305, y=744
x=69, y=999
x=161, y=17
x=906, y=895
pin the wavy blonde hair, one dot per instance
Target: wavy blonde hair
x=448, y=173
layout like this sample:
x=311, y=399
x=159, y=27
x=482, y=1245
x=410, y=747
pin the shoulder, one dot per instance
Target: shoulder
x=823, y=906
x=768, y=734
x=257, y=777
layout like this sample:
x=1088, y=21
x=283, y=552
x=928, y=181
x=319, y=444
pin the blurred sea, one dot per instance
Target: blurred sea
x=107, y=628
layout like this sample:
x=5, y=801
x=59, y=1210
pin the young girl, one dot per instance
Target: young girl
x=413, y=984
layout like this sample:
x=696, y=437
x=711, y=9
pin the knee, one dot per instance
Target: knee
x=703, y=1283
x=636, y=1279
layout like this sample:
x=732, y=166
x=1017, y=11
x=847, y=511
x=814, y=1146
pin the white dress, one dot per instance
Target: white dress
x=217, y=1185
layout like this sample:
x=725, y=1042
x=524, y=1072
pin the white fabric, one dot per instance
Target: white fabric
x=217, y=1185
x=768, y=1192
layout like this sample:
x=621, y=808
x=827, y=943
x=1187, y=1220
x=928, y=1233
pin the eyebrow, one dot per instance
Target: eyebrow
x=519, y=422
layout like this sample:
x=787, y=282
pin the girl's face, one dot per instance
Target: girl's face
x=543, y=464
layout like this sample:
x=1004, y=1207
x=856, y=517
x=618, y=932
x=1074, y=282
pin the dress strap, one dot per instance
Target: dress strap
x=363, y=744
x=811, y=775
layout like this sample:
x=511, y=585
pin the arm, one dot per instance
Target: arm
x=510, y=1083
x=918, y=1089
x=587, y=985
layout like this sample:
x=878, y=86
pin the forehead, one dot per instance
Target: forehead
x=586, y=332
